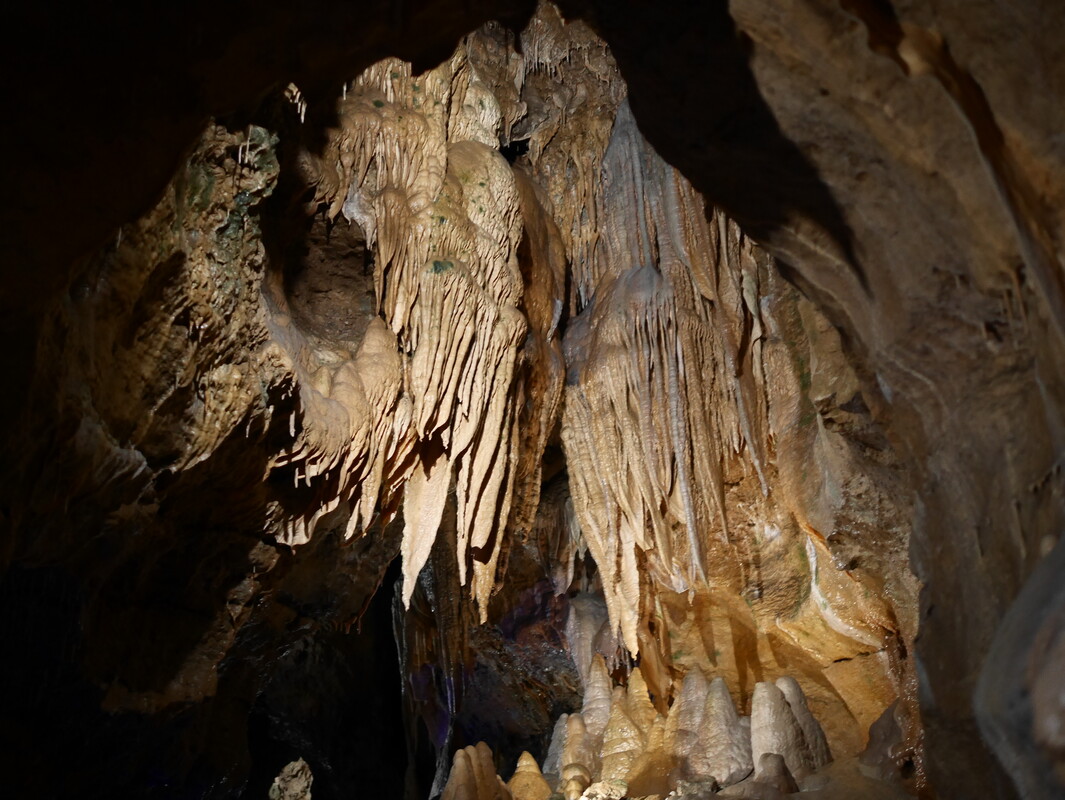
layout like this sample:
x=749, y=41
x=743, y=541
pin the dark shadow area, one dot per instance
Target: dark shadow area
x=512, y=151
x=697, y=102
x=321, y=269
x=334, y=699
x=330, y=285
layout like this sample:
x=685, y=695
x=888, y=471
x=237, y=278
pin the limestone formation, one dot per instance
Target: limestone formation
x=638, y=702
x=723, y=751
x=598, y=699
x=686, y=715
x=773, y=771
x=552, y=769
x=553, y=761
x=653, y=771
x=528, y=783
x=622, y=742
x=812, y=733
x=724, y=345
x=294, y=782
x=579, y=758
x=775, y=730
x=703, y=743
x=473, y=776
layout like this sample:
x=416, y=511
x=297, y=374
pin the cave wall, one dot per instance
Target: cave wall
x=882, y=154
x=935, y=263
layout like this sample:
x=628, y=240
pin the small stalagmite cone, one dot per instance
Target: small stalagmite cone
x=462, y=782
x=528, y=783
x=597, y=698
x=773, y=771
x=774, y=729
x=686, y=715
x=577, y=757
x=652, y=771
x=724, y=749
x=622, y=742
x=638, y=702
x=484, y=768
x=577, y=781
x=553, y=761
x=811, y=728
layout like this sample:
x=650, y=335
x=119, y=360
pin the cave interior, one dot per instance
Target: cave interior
x=511, y=400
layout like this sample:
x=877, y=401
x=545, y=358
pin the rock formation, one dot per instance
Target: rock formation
x=677, y=400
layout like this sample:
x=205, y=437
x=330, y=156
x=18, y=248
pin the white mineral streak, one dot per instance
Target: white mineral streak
x=774, y=729
x=828, y=610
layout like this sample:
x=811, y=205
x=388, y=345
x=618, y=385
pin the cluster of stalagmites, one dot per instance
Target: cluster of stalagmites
x=620, y=746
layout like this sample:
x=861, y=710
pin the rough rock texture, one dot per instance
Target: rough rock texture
x=294, y=782
x=777, y=320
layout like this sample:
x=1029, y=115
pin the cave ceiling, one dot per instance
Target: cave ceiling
x=583, y=399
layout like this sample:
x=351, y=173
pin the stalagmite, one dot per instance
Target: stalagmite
x=553, y=760
x=686, y=715
x=527, y=782
x=724, y=749
x=622, y=742
x=578, y=758
x=638, y=702
x=811, y=728
x=653, y=770
x=462, y=782
x=774, y=729
x=773, y=771
x=596, y=709
x=473, y=776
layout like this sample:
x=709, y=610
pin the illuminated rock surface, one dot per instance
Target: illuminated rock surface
x=676, y=402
